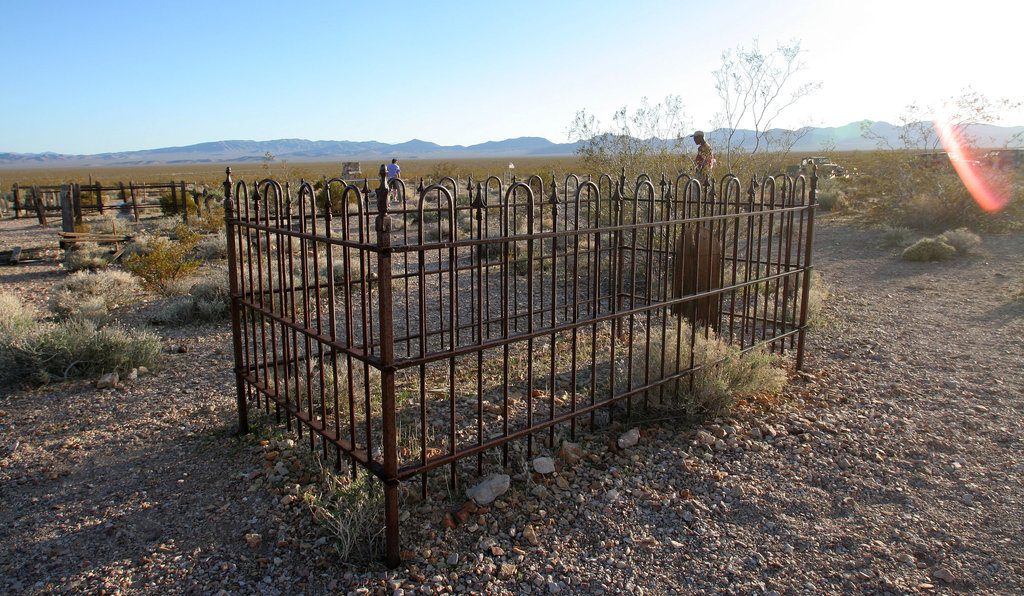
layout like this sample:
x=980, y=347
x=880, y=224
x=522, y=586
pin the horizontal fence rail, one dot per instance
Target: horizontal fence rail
x=411, y=330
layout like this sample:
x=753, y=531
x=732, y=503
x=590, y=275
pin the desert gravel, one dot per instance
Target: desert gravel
x=892, y=467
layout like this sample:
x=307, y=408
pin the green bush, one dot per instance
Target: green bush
x=44, y=351
x=929, y=249
x=170, y=206
x=724, y=372
x=167, y=263
x=962, y=239
x=91, y=296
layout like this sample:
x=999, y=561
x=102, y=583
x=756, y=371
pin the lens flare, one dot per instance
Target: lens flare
x=986, y=189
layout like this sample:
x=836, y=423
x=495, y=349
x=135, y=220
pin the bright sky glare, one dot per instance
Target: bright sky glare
x=102, y=76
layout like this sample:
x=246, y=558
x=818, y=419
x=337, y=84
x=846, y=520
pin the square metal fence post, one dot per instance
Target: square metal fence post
x=812, y=203
x=236, y=318
x=387, y=373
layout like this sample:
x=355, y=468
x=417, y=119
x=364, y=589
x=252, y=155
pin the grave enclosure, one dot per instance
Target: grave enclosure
x=416, y=334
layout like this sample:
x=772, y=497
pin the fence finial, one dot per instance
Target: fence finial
x=227, y=183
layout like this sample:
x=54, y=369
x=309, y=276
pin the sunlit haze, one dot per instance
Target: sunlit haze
x=90, y=77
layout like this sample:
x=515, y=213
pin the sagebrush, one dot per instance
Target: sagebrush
x=42, y=351
x=722, y=372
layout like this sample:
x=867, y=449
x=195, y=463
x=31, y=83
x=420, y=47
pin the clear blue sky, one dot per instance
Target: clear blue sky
x=97, y=76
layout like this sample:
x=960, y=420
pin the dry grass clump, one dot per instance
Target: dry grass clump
x=212, y=219
x=213, y=248
x=15, y=317
x=830, y=196
x=86, y=256
x=722, y=372
x=91, y=296
x=350, y=510
x=209, y=301
x=963, y=240
x=44, y=351
x=141, y=244
x=896, y=236
x=929, y=250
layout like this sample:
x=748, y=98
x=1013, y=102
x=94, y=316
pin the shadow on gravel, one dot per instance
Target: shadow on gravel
x=126, y=515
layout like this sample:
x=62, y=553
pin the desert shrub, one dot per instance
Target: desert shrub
x=91, y=296
x=350, y=511
x=15, y=317
x=169, y=206
x=44, y=351
x=86, y=255
x=962, y=239
x=830, y=196
x=163, y=268
x=901, y=188
x=896, y=236
x=208, y=301
x=337, y=206
x=816, y=297
x=141, y=244
x=211, y=220
x=723, y=372
x=355, y=268
x=213, y=248
x=929, y=249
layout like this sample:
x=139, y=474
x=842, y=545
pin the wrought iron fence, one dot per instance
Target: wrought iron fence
x=435, y=328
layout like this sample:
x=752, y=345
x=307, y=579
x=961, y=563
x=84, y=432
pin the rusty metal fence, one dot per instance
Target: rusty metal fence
x=452, y=329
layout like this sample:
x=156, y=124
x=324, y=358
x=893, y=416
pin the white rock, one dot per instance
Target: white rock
x=489, y=488
x=630, y=438
x=544, y=465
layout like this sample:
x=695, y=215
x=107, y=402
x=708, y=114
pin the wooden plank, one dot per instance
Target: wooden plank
x=15, y=255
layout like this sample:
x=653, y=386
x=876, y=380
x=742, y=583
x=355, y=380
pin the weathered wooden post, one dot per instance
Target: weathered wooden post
x=135, y=205
x=40, y=209
x=76, y=202
x=67, y=215
x=184, y=204
x=17, y=199
x=174, y=193
x=98, y=186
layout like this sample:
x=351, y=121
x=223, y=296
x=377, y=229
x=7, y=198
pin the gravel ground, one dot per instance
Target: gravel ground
x=892, y=466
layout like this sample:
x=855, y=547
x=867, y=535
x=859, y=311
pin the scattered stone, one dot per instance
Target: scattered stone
x=544, y=465
x=629, y=438
x=571, y=453
x=107, y=381
x=530, y=535
x=490, y=488
x=253, y=540
x=944, y=574
x=507, y=571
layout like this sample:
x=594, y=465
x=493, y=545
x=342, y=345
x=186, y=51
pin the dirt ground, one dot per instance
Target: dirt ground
x=892, y=467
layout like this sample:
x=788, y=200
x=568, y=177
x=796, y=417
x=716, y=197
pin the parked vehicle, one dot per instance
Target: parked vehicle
x=1005, y=159
x=826, y=167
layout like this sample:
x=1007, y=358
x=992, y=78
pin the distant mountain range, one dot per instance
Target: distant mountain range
x=843, y=138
